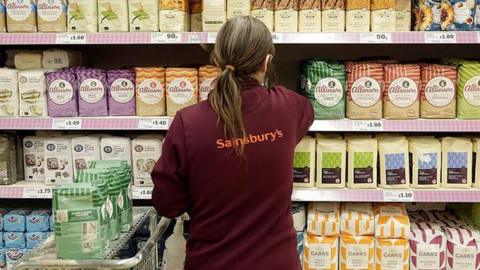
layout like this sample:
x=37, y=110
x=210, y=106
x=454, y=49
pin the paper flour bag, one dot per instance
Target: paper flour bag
x=207, y=76
x=3, y=23
x=456, y=162
x=196, y=7
x=82, y=16
x=145, y=153
x=358, y=15
x=323, y=83
x=143, y=15
x=55, y=59
x=174, y=16
x=52, y=15
x=333, y=16
x=299, y=215
x=323, y=219
x=238, y=8
x=476, y=162
x=34, y=158
x=427, y=247
x=320, y=252
x=286, y=16
x=84, y=151
x=362, y=163
x=438, y=91
x=310, y=16
x=32, y=93
x=392, y=254
x=403, y=16
x=402, y=91
x=357, y=252
x=425, y=159
x=8, y=92
x=468, y=90
x=182, y=89
x=357, y=219
x=394, y=163
x=304, y=163
x=263, y=11
x=150, y=91
x=364, y=90
x=391, y=221
x=214, y=15
x=21, y=16
x=121, y=92
x=28, y=60
x=92, y=91
x=58, y=161
x=463, y=249
x=112, y=16
x=383, y=15
x=62, y=93
x=116, y=148
x=331, y=163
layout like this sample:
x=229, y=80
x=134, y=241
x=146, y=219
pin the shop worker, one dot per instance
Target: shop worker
x=228, y=161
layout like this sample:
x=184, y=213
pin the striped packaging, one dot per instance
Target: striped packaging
x=463, y=249
x=402, y=88
x=357, y=219
x=391, y=254
x=468, y=89
x=427, y=247
x=182, y=88
x=364, y=90
x=320, y=253
x=150, y=91
x=391, y=221
x=207, y=76
x=357, y=252
x=437, y=97
x=323, y=219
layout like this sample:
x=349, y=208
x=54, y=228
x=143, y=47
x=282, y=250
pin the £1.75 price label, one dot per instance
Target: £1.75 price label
x=66, y=38
x=398, y=196
x=67, y=123
x=440, y=37
x=376, y=37
x=37, y=193
x=154, y=123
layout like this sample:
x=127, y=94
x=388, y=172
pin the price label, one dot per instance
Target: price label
x=376, y=37
x=398, y=196
x=193, y=38
x=37, y=193
x=440, y=37
x=67, y=123
x=142, y=193
x=153, y=123
x=376, y=125
x=164, y=37
x=212, y=38
x=478, y=37
x=277, y=37
x=65, y=38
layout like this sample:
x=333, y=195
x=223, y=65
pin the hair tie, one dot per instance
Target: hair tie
x=230, y=67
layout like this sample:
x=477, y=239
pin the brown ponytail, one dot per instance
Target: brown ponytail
x=242, y=46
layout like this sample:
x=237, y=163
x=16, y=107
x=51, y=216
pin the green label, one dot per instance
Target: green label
x=301, y=160
x=362, y=159
x=331, y=160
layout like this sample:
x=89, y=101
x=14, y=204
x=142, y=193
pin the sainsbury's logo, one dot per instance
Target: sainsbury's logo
x=250, y=139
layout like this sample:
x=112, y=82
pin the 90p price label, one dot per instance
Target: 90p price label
x=376, y=37
x=398, y=196
x=65, y=38
x=67, y=124
x=440, y=37
x=164, y=37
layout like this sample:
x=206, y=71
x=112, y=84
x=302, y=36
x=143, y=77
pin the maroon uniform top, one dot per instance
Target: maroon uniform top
x=239, y=209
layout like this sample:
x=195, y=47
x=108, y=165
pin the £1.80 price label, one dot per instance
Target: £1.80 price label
x=376, y=37
x=142, y=193
x=153, y=123
x=160, y=37
x=65, y=38
x=67, y=124
x=398, y=196
x=440, y=37
x=360, y=125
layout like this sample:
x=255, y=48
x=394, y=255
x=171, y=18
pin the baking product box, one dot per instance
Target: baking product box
x=214, y=15
x=331, y=163
x=357, y=219
x=357, y=252
x=58, y=161
x=52, y=15
x=196, y=15
x=145, y=153
x=402, y=91
x=62, y=93
x=320, y=252
x=392, y=254
x=394, y=162
x=37, y=221
x=310, y=16
x=364, y=90
x=438, y=91
x=92, y=91
x=463, y=248
x=150, y=91
x=427, y=247
x=21, y=16
x=391, y=221
x=456, y=162
x=425, y=159
x=362, y=163
x=143, y=15
x=333, y=15
x=428, y=14
x=383, y=15
x=85, y=150
x=182, y=88
x=358, y=15
x=8, y=92
x=32, y=92
x=174, y=16
x=323, y=219
x=299, y=215
x=35, y=239
x=34, y=158
x=304, y=163
x=263, y=10
x=112, y=16
x=286, y=15
x=15, y=220
x=28, y=60
x=116, y=148
x=207, y=76
x=238, y=8
x=82, y=16
x=403, y=16
x=121, y=92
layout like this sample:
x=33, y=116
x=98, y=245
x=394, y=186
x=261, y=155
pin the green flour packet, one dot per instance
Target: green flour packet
x=324, y=84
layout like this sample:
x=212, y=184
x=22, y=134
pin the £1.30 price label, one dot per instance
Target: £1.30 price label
x=37, y=193
x=361, y=125
x=67, y=123
x=440, y=37
x=154, y=123
x=66, y=38
x=376, y=37
x=164, y=37
x=398, y=196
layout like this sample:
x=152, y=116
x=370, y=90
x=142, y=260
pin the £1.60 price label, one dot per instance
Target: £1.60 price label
x=142, y=193
x=67, y=124
x=37, y=193
x=374, y=125
x=398, y=196
x=65, y=38
x=440, y=37
x=154, y=123
x=376, y=37
x=161, y=37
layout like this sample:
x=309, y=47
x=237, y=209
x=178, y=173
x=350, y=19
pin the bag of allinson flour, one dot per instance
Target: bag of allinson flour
x=438, y=91
x=362, y=163
x=331, y=163
x=21, y=16
x=182, y=88
x=468, y=89
x=394, y=162
x=304, y=163
x=456, y=162
x=425, y=159
x=206, y=80
x=52, y=15
x=3, y=24
x=402, y=88
x=150, y=91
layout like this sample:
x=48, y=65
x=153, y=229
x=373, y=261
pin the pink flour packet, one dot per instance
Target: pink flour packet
x=62, y=93
x=121, y=92
x=92, y=92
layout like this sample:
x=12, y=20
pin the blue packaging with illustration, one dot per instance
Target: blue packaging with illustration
x=14, y=239
x=14, y=221
x=2, y=214
x=13, y=255
x=35, y=239
x=38, y=221
x=52, y=222
x=300, y=239
x=3, y=263
x=458, y=15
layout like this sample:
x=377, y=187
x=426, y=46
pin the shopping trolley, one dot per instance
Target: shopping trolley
x=44, y=257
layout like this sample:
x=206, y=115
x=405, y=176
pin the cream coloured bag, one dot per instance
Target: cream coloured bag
x=182, y=88
x=150, y=91
x=331, y=163
x=362, y=163
x=304, y=163
x=52, y=15
x=426, y=157
x=456, y=162
x=394, y=162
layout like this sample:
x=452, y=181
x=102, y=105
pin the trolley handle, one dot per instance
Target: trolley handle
x=99, y=264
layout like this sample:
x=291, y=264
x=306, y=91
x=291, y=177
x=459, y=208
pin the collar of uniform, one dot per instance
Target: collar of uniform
x=249, y=83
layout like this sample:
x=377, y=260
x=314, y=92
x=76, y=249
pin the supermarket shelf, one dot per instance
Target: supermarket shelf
x=35, y=190
x=197, y=38
x=163, y=123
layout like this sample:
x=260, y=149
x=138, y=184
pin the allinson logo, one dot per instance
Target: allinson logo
x=403, y=92
x=60, y=91
x=78, y=148
x=138, y=148
x=365, y=92
x=328, y=92
x=471, y=91
x=440, y=91
x=122, y=90
x=108, y=149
